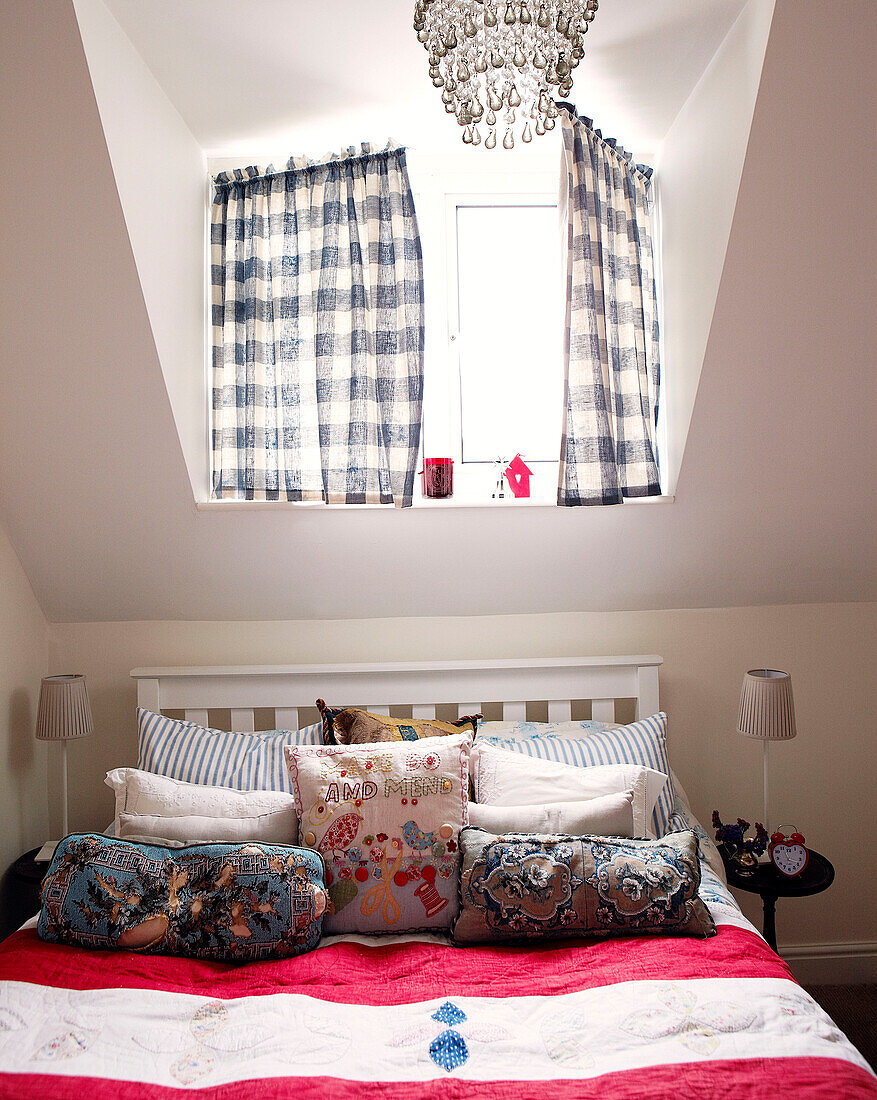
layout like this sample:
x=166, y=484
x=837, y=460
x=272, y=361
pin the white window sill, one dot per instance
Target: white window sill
x=452, y=502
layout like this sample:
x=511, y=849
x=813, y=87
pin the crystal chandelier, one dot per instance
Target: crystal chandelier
x=499, y=62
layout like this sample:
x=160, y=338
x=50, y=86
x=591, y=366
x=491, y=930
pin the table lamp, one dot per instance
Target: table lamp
x=64, y=713
x=767, y=712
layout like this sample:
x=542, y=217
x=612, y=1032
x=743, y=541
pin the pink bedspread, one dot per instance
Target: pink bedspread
x=627, y=1018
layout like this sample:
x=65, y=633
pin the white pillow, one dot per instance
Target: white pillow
x=608, y=815
x=504, y=778
x=520, y=731
x=157, y=808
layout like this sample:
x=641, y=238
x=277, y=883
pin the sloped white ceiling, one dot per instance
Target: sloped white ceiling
x=775, y=496
x=304, y=76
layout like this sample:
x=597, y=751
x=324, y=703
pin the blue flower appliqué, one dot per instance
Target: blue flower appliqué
x=448, y=1049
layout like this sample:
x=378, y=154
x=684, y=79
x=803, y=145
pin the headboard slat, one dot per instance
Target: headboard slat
x=242, y=719
x=512, y=683
x=603, y=710
x=559, y=710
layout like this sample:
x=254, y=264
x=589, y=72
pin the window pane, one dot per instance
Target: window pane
x=510, y=340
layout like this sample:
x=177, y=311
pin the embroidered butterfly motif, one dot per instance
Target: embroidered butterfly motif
x=695, y=1025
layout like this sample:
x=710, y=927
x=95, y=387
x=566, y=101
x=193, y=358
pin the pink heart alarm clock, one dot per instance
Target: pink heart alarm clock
x=787, y=853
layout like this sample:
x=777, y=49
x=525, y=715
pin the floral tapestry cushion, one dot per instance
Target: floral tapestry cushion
x=352, y=726
x=520, y=887
x=229, y=902
x=386, y=818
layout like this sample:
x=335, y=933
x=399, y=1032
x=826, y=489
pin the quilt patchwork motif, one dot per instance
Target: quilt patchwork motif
x=520, y=886
x=210, y=901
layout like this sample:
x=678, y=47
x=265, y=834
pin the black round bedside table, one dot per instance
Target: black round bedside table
x=767, y=881
x=21, y=891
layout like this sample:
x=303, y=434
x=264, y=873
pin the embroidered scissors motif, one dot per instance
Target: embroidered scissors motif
x=381, y=894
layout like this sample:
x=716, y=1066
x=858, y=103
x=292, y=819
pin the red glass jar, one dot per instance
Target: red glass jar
x=437, y=477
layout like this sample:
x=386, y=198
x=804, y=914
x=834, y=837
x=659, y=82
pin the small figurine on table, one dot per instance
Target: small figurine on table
x=741, y=851
x=499, y=492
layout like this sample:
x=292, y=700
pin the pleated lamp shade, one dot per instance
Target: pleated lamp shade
x=64, y=711
x=767, y=709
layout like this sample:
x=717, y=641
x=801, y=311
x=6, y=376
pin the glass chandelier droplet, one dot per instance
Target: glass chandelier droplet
x=489, y=57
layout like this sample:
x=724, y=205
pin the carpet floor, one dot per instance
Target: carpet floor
x=854, y=1009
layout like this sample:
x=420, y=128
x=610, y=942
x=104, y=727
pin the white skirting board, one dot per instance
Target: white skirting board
x=832, y=963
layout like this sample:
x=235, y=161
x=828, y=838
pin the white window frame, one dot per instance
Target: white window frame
x=439, y=183
x=438, y=191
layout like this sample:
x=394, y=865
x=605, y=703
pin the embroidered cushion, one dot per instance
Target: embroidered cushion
x=196, y=754
x=610, y=814
x=386, y=818
x=517, y=886
x=503, y=778
x=642, y=743
x=167, y=811
x=214, y=901
x=352, y=726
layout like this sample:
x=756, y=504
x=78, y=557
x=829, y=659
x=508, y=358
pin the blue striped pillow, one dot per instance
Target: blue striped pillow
x=216, y=758
x=642, y=743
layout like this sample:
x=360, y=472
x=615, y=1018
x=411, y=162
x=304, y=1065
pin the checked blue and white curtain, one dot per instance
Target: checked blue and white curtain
x=318, y=331
x=612, y=362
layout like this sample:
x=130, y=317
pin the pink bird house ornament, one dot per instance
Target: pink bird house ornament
x=518, y=475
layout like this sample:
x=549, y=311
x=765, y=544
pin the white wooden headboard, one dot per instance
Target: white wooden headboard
x=467, y=684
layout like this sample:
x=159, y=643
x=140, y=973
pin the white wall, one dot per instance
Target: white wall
x=23, y=663
x=697, y=175
x=772, y=501
x=161, y=178
x=822, y=781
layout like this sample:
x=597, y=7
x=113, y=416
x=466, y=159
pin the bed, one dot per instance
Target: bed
x=414, y=1015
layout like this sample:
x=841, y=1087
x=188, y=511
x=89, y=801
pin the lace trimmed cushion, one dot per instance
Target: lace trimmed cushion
x=171, y=812
x=643, y=743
